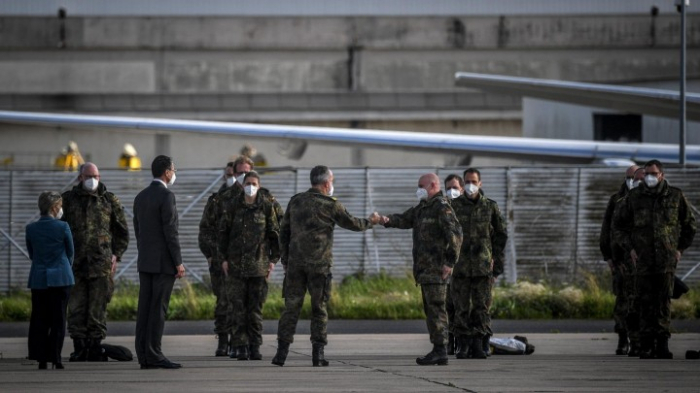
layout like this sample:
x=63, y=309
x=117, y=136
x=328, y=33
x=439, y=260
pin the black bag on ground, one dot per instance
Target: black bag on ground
x=117, y=352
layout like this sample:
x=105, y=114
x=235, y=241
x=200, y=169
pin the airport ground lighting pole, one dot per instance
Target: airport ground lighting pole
x=682, y=5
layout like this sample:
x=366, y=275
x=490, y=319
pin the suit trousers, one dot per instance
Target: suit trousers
x=154, y=297
x=47, y=326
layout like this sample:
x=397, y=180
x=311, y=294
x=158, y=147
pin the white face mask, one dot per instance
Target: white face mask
x=421, y=194
x=630, y=183
x=230, y=181
x=59, y=214
x=453, y=193
x=241, y=178
x=91, y=184
x=172, y=179
x=250, y=190
x=330, y=192
x=651, y=181
x=471, y=189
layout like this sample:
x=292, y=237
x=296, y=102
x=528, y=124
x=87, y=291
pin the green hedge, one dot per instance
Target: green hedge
x=383, y=297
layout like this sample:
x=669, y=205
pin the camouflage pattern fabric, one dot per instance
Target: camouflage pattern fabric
x=484, y=236
x=436, y=317
x=437, y=237
x=450, y=309
x=87, y=307
x=472, y=296
x=249, y=236
x=306, y=232
x=99, y=230
x=612, y=251
x=246, y=297
x=655, y=222
x=298, y=280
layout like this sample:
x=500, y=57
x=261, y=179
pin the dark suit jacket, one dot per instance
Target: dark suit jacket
x=155, y=227
x=50, y=247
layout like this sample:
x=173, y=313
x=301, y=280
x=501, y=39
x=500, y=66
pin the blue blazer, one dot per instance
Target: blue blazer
x=50, y=246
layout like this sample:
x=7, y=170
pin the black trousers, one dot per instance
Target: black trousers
x=154, y=298
x=47, y=326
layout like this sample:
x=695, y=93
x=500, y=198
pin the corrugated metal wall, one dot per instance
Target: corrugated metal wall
x=554, y=216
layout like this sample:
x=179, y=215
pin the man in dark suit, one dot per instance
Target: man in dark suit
x=159, y=263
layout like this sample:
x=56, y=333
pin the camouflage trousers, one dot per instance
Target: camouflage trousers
x=246, y=297
x=472, y=301
x=218, y=286
x=450, y=307
x=297, y=281
x=625, y=313
x=654, y=301
x=434, y=297
x=87, y=307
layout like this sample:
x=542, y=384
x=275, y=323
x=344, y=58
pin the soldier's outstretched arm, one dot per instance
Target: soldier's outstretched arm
x=688, y=225
x=347, y=221
x=401, y=221
x=452, y=231
x=119, y=228
x=498, y=240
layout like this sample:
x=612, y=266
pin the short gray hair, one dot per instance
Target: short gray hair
x=47, y=200
x=319, y=175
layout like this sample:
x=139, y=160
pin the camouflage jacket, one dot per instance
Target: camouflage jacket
x=306, y=232
x=249, y=236
x=484, y=236
x=608, y=248
x=208, y=225
x=99, y=229
x=655, y=223
x=437, y=237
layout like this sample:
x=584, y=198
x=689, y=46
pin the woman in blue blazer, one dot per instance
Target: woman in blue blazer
x=50, y=246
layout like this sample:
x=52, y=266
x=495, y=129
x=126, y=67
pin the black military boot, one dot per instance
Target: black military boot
x=623, y=345
x=242, y=352
x=463, y=347
x=318, y=358
x=95, y=353
x=438, y=356
x=478, y=348
x=634, y=349
x=281, y=355
x=222, y=348
x=450, y=344
x=485, y=343
x=255, y=352
x=662, y=351
x=646, y=350
x=80, y=353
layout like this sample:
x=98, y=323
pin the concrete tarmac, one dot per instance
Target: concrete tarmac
x=562, y=362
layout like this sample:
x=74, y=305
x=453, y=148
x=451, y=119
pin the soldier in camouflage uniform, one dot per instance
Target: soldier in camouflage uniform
x=654, y=225
x=100, y=236
x=480, y=262
x=250, y=248
x=208, y=243
x=626, y=319
x=306, y=247
x=454, y=187
x=437, y=237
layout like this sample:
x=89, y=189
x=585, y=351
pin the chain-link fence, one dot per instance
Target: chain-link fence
x=553, y=214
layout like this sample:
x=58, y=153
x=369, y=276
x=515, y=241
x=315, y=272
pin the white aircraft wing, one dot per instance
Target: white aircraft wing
x=664, y=103
x=532, y=148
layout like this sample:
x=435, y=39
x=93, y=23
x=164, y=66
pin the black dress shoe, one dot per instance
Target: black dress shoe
x=165, y=364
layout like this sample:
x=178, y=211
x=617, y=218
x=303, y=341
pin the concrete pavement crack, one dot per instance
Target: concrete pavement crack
x=449, y=384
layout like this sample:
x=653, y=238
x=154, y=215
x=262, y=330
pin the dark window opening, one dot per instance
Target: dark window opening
x=617, y=128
